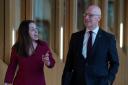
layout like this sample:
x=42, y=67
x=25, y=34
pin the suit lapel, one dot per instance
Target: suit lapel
x=81, y=39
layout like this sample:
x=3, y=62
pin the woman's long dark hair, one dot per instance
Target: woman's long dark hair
x=24, y=41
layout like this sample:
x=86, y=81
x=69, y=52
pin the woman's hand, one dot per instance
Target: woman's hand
x=45, y=58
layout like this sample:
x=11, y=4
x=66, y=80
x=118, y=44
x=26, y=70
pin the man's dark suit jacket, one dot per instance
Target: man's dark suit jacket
x=104, y=62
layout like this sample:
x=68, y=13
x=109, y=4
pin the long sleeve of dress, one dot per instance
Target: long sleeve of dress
x=52, y=61
x=11, y=68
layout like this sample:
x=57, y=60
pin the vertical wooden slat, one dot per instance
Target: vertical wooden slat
x=23, y=10
x=2, y=29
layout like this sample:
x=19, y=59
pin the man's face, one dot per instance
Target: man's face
x=92, y=17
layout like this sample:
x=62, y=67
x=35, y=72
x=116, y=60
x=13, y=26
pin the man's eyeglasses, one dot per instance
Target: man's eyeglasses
x=90, y=15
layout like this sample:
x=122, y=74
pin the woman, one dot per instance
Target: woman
x=29, y=54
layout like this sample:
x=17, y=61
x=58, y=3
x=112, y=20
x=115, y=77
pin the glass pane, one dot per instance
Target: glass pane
x=111, y=15
x=42, y=14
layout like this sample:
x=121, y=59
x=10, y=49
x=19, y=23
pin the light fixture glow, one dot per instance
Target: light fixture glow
x=61, y=43
x=13, y=37
x=121, y=34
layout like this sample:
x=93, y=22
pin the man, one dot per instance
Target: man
x=92, y=58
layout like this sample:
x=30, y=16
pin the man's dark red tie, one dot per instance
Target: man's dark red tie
x=89, y=45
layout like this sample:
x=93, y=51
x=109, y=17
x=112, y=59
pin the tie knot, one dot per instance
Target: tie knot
x=90, y=32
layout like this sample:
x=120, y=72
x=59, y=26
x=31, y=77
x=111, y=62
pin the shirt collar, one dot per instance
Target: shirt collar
x=95, y=30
